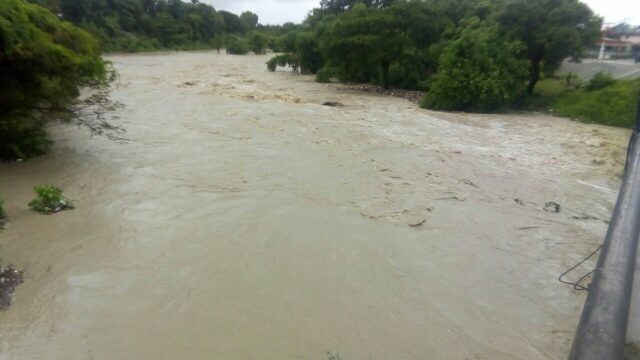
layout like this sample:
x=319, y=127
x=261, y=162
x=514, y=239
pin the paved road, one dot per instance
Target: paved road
x=620, y=69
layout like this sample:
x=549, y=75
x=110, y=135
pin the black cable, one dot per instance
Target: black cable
x=576, y=285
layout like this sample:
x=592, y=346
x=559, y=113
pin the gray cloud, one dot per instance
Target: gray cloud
x=269, y=11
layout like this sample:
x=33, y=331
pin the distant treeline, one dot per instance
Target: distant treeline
x=138, y=25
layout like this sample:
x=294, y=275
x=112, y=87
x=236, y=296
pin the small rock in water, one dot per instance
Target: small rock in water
x=552, y=206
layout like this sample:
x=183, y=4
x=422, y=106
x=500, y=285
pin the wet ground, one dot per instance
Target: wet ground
x=244, y=220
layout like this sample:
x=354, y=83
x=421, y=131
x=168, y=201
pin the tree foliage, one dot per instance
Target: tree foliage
x=481, y=70
x=364, y=42
x=551, y=30
x=236, y=45
x=257, y=42
x=43, y=61
x=249, y=20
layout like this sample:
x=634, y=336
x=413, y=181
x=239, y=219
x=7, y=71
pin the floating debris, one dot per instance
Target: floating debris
x=468, y=182
x=332, y=104
x=552, y=206
x=413, y=96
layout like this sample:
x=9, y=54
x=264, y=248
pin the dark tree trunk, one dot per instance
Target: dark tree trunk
x=535, y=75
x=385, y=74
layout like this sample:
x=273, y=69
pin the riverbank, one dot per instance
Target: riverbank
x=244, y=220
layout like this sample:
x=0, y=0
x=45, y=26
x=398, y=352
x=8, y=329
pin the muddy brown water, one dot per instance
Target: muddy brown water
x=244, y=220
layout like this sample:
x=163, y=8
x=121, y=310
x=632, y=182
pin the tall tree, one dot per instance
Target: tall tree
x=551, y=31
x=249, y=20
x=364, y=42
x=232, y=22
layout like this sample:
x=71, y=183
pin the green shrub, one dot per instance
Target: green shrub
x=600, y=81
x=49, y=200
x=408, y=73
x=258, y=43
x=480, y=71
x=324, y=75
x=572, y=81
x=236, y=46
x=328, y=74
x=308, y=53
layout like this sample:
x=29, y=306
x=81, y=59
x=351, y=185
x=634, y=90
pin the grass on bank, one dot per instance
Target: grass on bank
x=601, y=101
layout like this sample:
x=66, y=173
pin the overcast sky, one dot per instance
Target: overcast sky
x=281, y=11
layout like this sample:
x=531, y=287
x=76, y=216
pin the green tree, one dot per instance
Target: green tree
x=236, y=45
x=551, y=31
x=482, y=70
x=257, y=42
x=249, y=20
x=43, y=61
x=363, y=42
x=233, y=24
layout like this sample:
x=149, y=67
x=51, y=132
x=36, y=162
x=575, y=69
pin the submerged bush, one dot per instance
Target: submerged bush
x=600, y=81
x=324, y=75
x=49, y=200
x=328, y=73
x=3, y=213
x=10, y=278
x=258, y=43
x=283, y=60
x=236, y=46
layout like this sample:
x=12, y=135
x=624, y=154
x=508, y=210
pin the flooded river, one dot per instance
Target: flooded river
x=244, y=220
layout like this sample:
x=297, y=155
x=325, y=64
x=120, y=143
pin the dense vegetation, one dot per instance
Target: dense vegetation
x=469, y=55
x=43, y=62
x=601, y=100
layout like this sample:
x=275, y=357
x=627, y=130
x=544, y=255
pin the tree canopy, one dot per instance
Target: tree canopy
x=43, y=61
x=551, y=31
